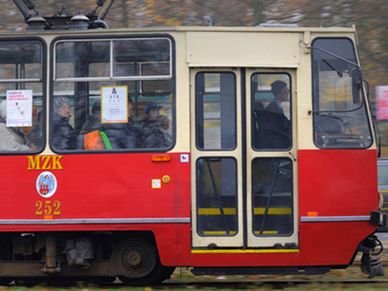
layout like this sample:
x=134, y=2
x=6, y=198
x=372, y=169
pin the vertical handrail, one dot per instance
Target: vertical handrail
x=276, y=165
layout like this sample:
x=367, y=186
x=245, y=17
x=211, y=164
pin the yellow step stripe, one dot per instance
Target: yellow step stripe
x=273, y=211
x=216, y=211
x=266, y=232
x=257, y=211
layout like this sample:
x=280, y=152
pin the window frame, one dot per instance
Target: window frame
x=112, y=37
x=197, y=116
x=291, y=105
x=112, y=76
x=315, y=97
x=292, y=206
x=236, y=200
x=43, y=81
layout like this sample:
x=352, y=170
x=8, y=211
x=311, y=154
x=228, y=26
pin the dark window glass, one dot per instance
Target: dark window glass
x=142, y=57
x=215, y=111
x=20, y=60
x=340, y=117
x=216, y=183
x=272, y=198
x=271, y=111
x=82, y=59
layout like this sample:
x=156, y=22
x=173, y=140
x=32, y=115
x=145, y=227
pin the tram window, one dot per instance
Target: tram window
x=272, y=198
x=340, y=117
x=215, y=111
x=271, y=111
x=77, y=59
x=216, y=196
x=118, y=93
x=152, y=57
x=21, y=96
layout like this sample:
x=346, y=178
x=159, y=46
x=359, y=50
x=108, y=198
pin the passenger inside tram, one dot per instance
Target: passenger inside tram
x=35, y=135
x=11, y=139
x=278, y=122
x=97, y=136
x=90, y=134
x=271, y=113
x=155, y=127
x=133, y=130
x=64, y=135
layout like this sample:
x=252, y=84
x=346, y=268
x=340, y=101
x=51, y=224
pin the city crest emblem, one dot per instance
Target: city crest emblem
x=46, y=184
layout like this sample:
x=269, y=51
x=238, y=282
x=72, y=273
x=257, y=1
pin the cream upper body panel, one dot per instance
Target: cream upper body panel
x=226, y=47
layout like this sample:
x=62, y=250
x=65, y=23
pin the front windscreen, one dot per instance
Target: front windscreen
x=339, y=106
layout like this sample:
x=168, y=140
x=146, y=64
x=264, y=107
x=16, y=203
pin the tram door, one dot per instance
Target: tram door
x=243, y=158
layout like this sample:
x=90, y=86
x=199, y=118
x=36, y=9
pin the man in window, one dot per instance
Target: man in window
x=155, y=127
x=64, y=135
x=279, y=125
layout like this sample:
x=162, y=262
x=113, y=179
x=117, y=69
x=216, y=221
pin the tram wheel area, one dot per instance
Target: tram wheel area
x=139, y=264
x=67, y=258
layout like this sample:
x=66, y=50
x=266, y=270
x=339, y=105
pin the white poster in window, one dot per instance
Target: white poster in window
x=114, y=104
x=19, y=108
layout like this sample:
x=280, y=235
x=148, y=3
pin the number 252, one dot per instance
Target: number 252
x=47, y=207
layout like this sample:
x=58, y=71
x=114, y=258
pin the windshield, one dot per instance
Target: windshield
x=340, y=116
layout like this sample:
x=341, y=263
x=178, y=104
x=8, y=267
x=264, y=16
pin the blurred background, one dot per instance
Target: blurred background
x=369, y=16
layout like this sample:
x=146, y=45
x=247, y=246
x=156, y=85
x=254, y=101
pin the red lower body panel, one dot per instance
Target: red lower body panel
x=331, y=183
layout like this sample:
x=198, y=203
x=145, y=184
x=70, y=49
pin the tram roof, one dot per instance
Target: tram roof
x=167, y=29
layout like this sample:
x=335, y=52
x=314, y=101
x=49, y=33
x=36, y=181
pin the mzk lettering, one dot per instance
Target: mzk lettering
x=44, y=163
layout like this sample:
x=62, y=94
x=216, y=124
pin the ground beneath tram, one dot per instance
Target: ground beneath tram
x=182, y=279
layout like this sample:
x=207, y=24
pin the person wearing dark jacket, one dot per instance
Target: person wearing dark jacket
x=134, y=131
x=154, y=128
x=35, y=135
x=124, y=135
x=64, y=135
x=279, y=134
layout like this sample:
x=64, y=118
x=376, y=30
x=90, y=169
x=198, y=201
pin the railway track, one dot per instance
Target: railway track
x=221, y=282
x=264, y=284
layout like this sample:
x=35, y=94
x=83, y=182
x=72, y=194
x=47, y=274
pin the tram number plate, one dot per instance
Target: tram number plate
x=47, y=208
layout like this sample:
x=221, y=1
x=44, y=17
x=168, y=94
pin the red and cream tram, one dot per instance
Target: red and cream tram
x=129, y=152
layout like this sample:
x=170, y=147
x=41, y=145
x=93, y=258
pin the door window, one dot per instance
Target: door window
x=272, y=198
x=215, y=111
x=271, y=114
x=216, y=196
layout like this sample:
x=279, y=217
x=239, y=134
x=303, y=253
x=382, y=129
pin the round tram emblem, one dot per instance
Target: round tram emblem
x=46, y=184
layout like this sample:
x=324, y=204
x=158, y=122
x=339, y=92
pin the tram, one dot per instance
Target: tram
x=127, y=153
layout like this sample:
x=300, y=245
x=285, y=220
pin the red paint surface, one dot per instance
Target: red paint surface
x=330, y=183
x=99, y=186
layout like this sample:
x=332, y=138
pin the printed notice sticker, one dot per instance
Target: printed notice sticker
x=19, y=108
x=156, y=184
x=184, y=158
x=114, y=104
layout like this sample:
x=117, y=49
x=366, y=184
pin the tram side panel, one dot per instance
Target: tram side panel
x=337, y=190
x=113, y=189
